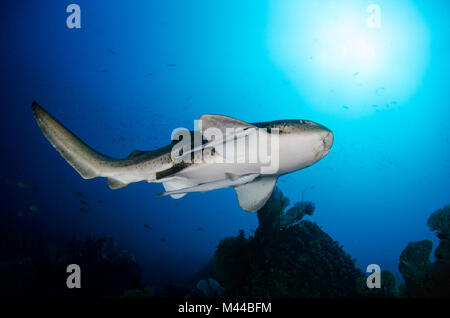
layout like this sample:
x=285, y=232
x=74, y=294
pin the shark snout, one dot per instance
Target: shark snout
x=327, y=141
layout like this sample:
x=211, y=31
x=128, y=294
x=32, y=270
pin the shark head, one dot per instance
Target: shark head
x=302, y=142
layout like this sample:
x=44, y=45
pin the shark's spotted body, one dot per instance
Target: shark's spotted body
x=301, y=144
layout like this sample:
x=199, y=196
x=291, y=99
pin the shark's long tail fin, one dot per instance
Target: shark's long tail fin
x=88, y=162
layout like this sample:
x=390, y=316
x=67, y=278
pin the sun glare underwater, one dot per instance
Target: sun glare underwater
x=375, y=73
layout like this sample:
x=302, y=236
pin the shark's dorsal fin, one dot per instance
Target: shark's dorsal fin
x=135, y=153
x=252, y=196
x=221, y=122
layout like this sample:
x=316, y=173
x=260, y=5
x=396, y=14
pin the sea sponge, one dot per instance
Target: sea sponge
x=439, y=221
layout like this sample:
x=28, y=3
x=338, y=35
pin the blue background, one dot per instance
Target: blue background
x=111, y=82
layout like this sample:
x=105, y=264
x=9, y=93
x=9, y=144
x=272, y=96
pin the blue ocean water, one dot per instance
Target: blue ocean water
x=135, y=71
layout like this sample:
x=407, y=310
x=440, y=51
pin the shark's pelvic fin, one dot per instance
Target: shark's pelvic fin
x=116, y=184
x=88, y=162
x=252, y=196
x=176, y=184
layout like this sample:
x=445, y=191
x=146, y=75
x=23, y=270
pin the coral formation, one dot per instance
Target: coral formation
x=415, y=263
x=33, y=267
x=439, y=221
x=210, y=288
x=423, y=278
x=285, y=258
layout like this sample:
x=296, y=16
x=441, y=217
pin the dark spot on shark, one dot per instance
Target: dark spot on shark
x=172, y=170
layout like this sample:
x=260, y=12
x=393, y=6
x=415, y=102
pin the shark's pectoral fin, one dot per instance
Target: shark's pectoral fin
x=253, y=195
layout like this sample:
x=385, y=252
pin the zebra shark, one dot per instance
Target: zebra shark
x=300, y=144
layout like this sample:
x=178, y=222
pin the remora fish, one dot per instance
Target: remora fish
x=301, y=144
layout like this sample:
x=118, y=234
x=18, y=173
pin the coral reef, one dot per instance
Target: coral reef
x=423, y=278
x=285, y=257
x=209, y=288
x=415, y=263
x=33, y=266
x=296, y=213
x=439, y=221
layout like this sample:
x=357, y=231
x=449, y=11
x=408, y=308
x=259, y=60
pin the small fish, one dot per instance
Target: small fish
x=84, y=211
x=81, y=195
x=112, y=51
x=83, y=202
x=374, y=106
x=199, y=229
x=149, y=74
x=148, y=227
x=33, y=207
x=21, y=184
x=104, y=70
x=355, y=74
x=171, y=65
x=345, y=107
x=162, y=239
